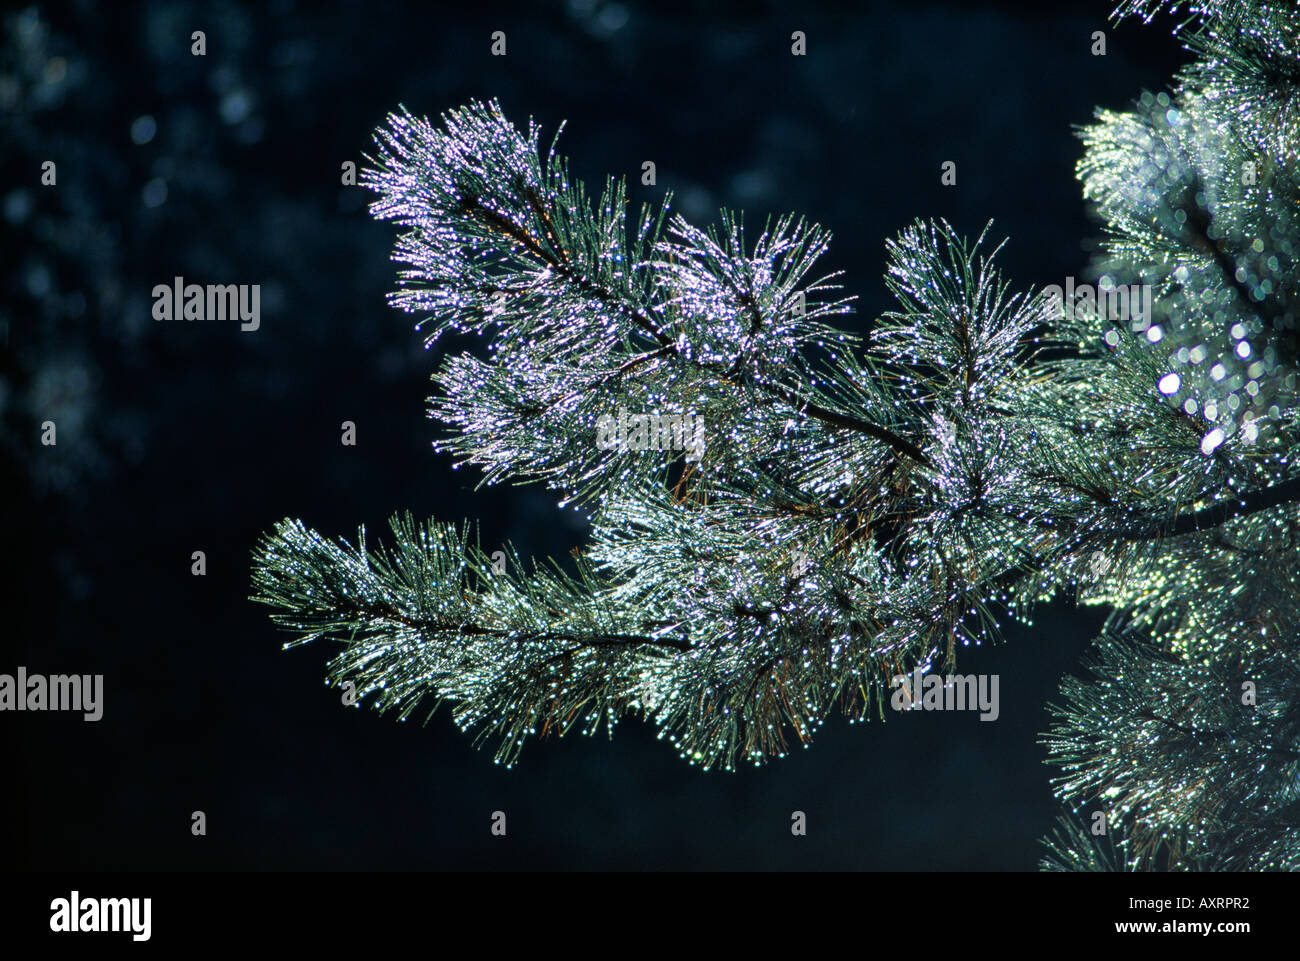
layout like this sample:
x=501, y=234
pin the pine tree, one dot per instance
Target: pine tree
x=1187, y=734
x=786, y=516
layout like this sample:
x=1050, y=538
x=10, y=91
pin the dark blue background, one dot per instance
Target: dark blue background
x=176, y=437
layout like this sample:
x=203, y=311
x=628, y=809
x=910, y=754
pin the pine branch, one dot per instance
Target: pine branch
x=1207, y=518
x=854, y=511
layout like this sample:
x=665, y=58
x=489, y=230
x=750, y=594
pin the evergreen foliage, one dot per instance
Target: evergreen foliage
x=864, y=507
